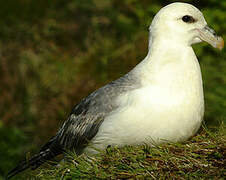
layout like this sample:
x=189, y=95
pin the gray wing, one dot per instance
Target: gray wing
x=82, y=124
x=87, y=116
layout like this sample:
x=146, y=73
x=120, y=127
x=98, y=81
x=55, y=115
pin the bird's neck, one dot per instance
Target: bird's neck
x=169, y=64
x=168, y=45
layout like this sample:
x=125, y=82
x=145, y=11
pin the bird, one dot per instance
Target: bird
x=160, y=100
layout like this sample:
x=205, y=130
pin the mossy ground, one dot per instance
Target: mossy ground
x=201, y=157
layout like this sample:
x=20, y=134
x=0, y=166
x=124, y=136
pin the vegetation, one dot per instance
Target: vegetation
x=202, y=157
x=53, y=53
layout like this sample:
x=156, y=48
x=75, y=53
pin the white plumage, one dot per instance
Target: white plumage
x=169, y=105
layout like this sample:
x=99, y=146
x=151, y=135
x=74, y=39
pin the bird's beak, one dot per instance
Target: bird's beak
x=207, y=34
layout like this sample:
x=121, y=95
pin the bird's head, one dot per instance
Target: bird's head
x=183, y=23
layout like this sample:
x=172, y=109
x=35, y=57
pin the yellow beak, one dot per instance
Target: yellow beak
x=208, y=35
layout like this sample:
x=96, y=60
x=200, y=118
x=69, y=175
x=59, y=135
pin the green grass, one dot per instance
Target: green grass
x=201, y=157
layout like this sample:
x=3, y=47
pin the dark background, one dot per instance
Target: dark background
x=54, y=52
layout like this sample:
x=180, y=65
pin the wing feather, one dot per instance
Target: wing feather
x=87, y=116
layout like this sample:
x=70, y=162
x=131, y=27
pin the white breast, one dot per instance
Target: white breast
x=168, y=107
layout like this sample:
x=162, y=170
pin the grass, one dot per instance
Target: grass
x=201, y=157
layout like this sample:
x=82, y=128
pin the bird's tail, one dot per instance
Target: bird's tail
x=44, y=155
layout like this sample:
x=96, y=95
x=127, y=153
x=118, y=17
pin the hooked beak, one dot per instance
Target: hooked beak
x=207, y=34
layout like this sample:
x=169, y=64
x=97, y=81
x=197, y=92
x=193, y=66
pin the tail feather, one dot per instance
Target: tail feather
x=36, y=160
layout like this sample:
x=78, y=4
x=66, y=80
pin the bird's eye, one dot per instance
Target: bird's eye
x=188, y=19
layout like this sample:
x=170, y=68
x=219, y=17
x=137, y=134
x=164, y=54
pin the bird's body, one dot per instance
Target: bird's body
x=167, y=106
x=160, y=100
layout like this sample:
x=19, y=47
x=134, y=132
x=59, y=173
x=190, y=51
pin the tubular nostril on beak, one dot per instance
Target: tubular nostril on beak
x=210, y=30
x=207, y=34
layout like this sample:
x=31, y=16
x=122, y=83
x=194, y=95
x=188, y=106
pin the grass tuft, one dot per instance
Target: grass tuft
x=201, y=157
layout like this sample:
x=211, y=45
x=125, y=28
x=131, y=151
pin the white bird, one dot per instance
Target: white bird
x=160, y=100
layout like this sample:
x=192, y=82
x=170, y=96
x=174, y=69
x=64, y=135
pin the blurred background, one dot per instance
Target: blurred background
x=54, y=52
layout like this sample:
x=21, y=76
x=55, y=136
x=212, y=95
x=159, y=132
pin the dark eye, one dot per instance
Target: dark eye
x=188, y=19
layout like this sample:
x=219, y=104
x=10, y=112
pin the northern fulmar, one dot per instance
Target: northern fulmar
x=159, y=100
